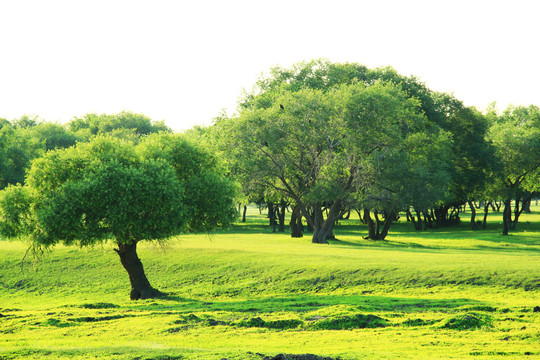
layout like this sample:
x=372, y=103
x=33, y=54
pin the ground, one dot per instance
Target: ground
x=246, y=293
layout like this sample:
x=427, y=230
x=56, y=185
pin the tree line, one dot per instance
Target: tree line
x=328, y=138
x=323, y=139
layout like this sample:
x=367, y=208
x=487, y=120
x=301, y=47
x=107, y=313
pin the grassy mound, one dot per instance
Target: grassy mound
x=470, y=321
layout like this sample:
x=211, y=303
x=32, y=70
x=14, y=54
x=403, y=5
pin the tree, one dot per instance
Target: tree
x=106, y=189
x=17, y=148
x=52, y=135
x=414, y=173
x=315, y=146
x=124, y=125
x=515, y=134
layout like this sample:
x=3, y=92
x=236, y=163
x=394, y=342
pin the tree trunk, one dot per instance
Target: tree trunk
x=389, y=218
x=272, y=215
x=507, y=216
x=419, y=216
x=319, y=234
x=370, y=225
x=486, y=211
x=413, y=220
x=517, y=212
x=296, y=222
x=428, y=220
x=473, y=216
x=527, y=205
x=324, y=229
x=140, y=286
x=281, y=215
x=244, y=214
x=375, y=232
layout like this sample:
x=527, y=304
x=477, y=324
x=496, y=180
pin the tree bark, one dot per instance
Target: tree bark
x=507, y=216
x=324, y=229
x=140, y=286
x=486, y=211
x=375, y=232
x=419, y=216
x=244, y=214
x=473, y=216
x=296, y=222
x=272, y=215
x=411, y=217
x=527, y=205
x=428, y=220
x=517, y=212
x=370, y=224
x=319, y=234
x=281, y=216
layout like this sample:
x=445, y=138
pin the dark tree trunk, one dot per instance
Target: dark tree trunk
x=320, y=235
x=419, y=217
x=507, y=216
x=428, y=220
x=281, y=215
x=324, y=229
x=527, y=205
x=441, y=215
x=370, y=225
x=517, y=212
x=375, y=232
x=140, y=286
x=244, y=214
x=486, y=211
x=272, y=215
x=416, y=225
x=473, y=216
x=296, y=222
x=309, y=225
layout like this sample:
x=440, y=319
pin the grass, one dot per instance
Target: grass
x=246, y=293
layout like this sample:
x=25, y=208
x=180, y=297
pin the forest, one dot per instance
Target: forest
x=405, y=194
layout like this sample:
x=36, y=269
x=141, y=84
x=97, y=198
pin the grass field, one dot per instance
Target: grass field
x=246, y=293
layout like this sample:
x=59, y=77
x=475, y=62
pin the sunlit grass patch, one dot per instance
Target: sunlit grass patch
x=248, y=293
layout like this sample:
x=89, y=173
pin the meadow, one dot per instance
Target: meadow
x=248, y=293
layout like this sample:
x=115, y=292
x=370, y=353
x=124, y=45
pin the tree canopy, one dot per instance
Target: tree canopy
x=108, y=189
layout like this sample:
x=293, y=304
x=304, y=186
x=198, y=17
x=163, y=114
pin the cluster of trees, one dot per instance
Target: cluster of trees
x=328, y=138
x=321, y=138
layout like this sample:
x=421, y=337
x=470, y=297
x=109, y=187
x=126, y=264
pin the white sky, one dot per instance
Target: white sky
x=185, y=61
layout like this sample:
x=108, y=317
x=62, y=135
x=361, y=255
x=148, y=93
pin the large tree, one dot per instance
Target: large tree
x=317, y=147
x=515, y=134
x=109, y=189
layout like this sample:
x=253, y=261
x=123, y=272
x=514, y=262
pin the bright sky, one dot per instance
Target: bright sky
x=185, y=61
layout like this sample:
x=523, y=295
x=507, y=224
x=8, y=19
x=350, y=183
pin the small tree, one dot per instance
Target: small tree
x=105, y=190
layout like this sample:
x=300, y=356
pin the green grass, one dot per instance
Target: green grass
x=246, y=292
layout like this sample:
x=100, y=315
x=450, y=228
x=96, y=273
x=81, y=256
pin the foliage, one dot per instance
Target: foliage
x=319, y=145
x=211, y=195
x=17, y=148
x=16, y=204
x=124, y=125
x=107, y=189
